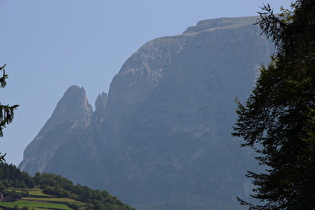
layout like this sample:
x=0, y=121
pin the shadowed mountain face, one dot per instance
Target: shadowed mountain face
x=163, y=132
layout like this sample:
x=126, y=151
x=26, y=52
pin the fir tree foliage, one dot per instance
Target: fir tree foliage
x=6, y=111
x=278, y=119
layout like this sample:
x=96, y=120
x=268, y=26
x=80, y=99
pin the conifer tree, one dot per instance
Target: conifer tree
x=278, y=119
x=6, y=111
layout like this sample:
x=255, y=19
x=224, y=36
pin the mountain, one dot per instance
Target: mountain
x=73, y=112
x=163, y=132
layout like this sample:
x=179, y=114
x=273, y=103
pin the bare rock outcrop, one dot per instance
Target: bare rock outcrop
x=72, y=113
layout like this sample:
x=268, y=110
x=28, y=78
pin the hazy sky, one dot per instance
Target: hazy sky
x=49, y=45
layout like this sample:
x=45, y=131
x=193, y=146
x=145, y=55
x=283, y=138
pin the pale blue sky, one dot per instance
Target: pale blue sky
x=49, y=45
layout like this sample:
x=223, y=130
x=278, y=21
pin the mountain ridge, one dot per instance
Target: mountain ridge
x=217, y=23
x=164, y=130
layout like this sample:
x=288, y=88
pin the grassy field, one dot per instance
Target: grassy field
x=37, y=192
x=35, y=205
x=38, y=200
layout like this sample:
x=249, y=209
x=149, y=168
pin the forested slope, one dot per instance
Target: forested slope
x=50, y=190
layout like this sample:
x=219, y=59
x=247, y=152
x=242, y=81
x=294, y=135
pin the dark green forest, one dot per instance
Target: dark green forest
x=14, y=184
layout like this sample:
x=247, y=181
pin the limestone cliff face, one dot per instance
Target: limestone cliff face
x=163, y=132
x=176, y=111
x=100, y=106
x=78, y=157
x=72, y=113
x=138, y=78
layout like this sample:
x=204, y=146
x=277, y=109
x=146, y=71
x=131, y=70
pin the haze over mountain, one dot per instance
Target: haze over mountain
x=163, y=131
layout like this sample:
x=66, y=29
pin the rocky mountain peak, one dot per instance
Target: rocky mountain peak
x=72, y=112
x=73, y=106
x=101, y=101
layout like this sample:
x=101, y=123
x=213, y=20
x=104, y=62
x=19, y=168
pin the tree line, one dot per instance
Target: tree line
x=52, y=184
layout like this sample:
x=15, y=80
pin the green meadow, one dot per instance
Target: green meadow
x=38, y=200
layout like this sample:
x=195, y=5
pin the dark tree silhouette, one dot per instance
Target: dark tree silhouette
x=6, y=111
x=278, y=119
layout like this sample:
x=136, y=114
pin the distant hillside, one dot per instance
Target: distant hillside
x=162, y=134
x=18, y=190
